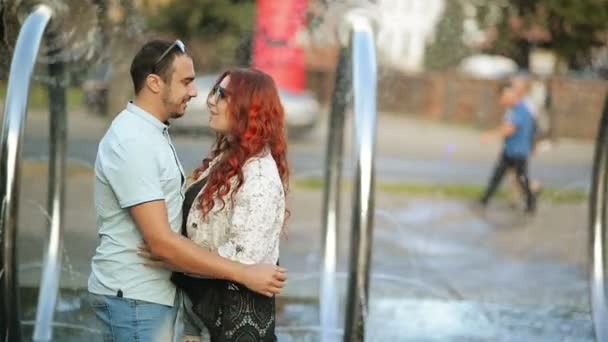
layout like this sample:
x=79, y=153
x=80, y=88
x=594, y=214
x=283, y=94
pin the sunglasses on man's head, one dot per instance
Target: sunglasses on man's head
x=177, y=44
x=219, y=92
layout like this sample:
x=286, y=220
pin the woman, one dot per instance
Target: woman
x=236, y=206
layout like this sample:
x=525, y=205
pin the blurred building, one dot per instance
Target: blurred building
x=405, y=28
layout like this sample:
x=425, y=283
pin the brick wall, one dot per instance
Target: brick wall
x=576, y=106
x=574, y=111
x=440, y=96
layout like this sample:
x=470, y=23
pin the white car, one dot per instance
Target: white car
x=302, y=111
x=488, y=66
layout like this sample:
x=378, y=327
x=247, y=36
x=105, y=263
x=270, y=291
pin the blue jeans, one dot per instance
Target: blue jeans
x=131, y=320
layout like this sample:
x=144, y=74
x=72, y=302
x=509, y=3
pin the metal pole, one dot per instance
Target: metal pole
x=331, y=194
x=15, y=111
x=51, y=269
x=597, y=226
x=364, y=96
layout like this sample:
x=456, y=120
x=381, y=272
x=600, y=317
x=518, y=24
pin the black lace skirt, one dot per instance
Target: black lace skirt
x=230, y=311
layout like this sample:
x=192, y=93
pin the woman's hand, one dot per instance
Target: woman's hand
x=267, y=280
x=152, y=260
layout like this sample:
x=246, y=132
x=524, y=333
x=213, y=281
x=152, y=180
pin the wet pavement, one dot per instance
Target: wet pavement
x=442, y=270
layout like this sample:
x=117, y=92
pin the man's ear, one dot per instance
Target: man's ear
x=154, y=83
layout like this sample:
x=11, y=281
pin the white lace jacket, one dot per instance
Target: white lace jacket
x=249, y=230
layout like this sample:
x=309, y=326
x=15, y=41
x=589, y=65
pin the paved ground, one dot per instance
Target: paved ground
x=408, y=150
x=441, y=271
x=427, y=252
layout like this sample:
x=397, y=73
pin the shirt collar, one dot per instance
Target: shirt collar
x=149, y=118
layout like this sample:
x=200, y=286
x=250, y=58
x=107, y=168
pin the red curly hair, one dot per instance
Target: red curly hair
x=257, y=121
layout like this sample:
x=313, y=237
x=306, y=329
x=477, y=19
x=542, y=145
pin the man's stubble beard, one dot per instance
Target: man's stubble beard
x=177, y=115
x=172, y=108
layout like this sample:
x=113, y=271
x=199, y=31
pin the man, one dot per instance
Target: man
x=139, y=190
x=521, y=87
x=517, y=130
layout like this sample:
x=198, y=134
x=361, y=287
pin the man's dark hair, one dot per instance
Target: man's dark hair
x=144, y=62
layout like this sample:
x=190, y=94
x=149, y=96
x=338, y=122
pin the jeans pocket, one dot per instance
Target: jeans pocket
x=102, y=311
x=97, y=301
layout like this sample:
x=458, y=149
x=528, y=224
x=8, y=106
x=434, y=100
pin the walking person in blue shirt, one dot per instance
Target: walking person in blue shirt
x=522, y=85
x=517, y=131
x=139, y=192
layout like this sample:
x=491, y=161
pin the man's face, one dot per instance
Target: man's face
x=180, y=89
x=508, y=98
x=519, y=87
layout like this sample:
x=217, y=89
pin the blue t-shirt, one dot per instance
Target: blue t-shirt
x=519, y=144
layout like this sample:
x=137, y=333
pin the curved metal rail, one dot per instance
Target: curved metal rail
x=357, y=64
x=22, y=65
x=597, y=226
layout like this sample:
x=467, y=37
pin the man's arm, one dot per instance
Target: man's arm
x=506, y=129
x=151, y=219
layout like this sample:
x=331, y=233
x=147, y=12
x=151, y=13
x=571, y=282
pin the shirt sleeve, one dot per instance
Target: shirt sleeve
x=254, y=230
x=513, y=117
x=133, y=172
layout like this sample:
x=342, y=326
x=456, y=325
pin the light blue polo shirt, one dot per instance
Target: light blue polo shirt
x=136, y=163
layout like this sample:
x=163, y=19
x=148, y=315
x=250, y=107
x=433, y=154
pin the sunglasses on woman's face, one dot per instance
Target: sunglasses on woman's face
x=219, y=92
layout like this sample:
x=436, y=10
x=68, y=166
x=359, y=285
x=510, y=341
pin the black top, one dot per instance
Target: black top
x=189, y=198
x=231, y=312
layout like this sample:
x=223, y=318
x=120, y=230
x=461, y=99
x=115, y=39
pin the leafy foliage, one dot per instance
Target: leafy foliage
x=571, y=28
x=448, y=48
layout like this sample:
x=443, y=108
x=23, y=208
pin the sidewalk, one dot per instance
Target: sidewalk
x=405, y=227
x=423, y=139
x=502, y=276
x=409, y=229
x=398, y=136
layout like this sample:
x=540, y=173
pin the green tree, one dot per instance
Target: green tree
x=448, y=48
x=224, y=24
x=205, y=18
x=571, y=28
x=9, y=28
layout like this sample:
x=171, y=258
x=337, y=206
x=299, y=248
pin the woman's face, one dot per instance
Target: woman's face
x=219, y=120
